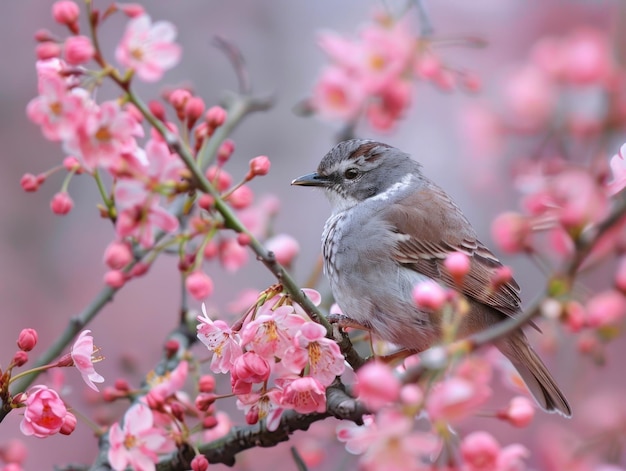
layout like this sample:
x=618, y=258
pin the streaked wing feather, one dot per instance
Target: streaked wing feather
x=424, y=246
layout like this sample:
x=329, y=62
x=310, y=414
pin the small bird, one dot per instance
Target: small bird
x=391, y=228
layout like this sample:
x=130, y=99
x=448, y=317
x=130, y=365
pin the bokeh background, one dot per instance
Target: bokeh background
x=51, y=267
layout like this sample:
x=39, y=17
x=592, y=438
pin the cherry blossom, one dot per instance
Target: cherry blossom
x=219, y=339
x=137, y=442
x=271, y=333
x=305, y=395
x=44, y=412
x=147, y=48
x=83, y=358
x=312, y=348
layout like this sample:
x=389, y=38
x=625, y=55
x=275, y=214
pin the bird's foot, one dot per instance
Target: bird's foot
x=344, y=321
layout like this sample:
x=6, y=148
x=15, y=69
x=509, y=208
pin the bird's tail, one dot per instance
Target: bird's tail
x=538, y=379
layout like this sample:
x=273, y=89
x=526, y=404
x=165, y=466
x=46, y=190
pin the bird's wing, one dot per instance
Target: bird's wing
x=429, y=226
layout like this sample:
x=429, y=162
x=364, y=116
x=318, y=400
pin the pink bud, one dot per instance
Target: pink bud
x=259, y=166
x=27, y=339
x=69, y=424
x=121, y=385
x=71, y=164
x=194, y=109
x=605, y=308
x=429, y=295
x=225, y=151
x=251, y=368
x=140, y=269
x=511, y=232
x=171, y=348
x=428, y=67
x=219, y=177
x=479, y=448
x=20, y=358
x=206, y=201
x=178, y=98
x=117, y=255
x=241, y=198
x=502, y=275
x=215, y=116
x=377, y=385
x=471, y=82
x=65, y=12
x=199, y=285
x=43, y=35
x=206, y=383
x=243, y=239
x=47, y=50
x=132, y=10
x=61, y=203
x=458, y=265
x=29, y=182
x=114, y=278
x=232, y=255
x=209, y=422
x=199, y=463
x=78, y=50
x=210, y=250
x=204, y=400
x=13, y=451
x=519, y=413
x=157, y=109
x=284, y=247
x=411, y=395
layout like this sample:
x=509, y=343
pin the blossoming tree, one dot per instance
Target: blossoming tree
x=164, y=169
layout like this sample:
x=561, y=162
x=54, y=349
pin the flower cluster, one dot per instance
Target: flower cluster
x=371, y=76
x=278, y=359
x=152, y=199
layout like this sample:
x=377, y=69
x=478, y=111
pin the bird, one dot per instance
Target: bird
x=391, y=228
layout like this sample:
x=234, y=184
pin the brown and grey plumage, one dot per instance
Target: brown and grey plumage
x=391, y=228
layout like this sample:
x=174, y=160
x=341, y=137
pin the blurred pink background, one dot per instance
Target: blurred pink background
x=51, y=267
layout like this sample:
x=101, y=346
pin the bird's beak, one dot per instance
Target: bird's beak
x=312, y=179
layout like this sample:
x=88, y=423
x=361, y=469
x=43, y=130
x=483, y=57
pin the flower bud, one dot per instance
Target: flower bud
x=429, y=295
x=115, y=278
x=199, y=463
x=27, y=339
x=29, y=182
x=199, y=285
x=117, y=255
x=61, y=203
x=225, y=151
x=78, y=50
x=259, y=166
x=69, y=424
x=65, y=12
x=215, y=116
x=206, y=383
x=20, y=358
x=47, y=50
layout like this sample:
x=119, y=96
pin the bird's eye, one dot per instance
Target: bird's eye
x=351, y=173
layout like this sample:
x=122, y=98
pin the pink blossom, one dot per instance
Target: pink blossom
x=241, y=198
x=530, y=96
x=167, y=385
x=284, y=247
x=271, y=333
x=148, y=48
x=305, y=395
x=57, y=110
x=579, y=198
x=199, y=463
x=377, y=385
x=460, y=395
x=78, y=50
x=137, y=442
x=13, y=451
x=337, y=95
x=387, y=442
x=389, y=105
x=618, y=169
x=262, y=406
x=481, y=452
x=199, y=285
x=83, y=358
x=232, y=255
x=511, y=231
x=115, y=278
x=247, y=369
x=104, y=132
x=48, y=50
x=215, y=117
x=27, y=339
x=311, y=348
x=221, y=340
x=587, y=57
x=44, y=412
x=132, y=10
x=520, y=411
x=605, y=308
x=69, y=424
x=30, y=182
